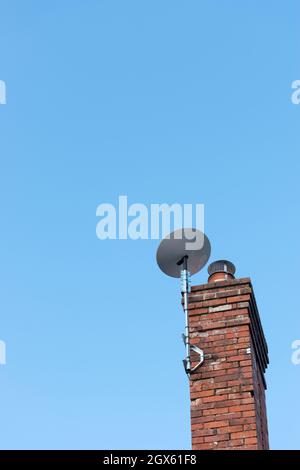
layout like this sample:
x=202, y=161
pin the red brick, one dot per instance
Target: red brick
x=243, y=408
x=215, y=398
x=216, y=424
x=213, y=411
x=241, y=421
x=236, y=443
x=240, y=298
x=223, y=409
x=232, y=429
x=199, y=446
x=217, y=438
x=203, y=432
x=251, y=440
x=249, y=413
x=243, y=434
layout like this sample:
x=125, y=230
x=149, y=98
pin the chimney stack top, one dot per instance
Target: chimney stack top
x=221, y=270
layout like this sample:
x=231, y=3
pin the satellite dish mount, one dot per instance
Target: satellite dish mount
x=175, y=260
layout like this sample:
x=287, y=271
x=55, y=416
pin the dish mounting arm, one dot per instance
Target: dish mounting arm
x=185, y=290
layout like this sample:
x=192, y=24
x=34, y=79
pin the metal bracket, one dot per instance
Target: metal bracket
x=201, y=358
x=197, y=350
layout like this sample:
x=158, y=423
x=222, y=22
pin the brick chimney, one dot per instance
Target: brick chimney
x=228, y=408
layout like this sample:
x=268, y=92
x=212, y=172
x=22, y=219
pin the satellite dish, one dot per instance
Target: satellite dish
x=180, y=254
x=179, y=244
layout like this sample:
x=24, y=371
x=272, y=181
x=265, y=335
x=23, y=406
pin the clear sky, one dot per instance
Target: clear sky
x=162, y=101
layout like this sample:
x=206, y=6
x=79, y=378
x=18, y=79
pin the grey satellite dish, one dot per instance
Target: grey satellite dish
x=180, y=254
x=179, y=244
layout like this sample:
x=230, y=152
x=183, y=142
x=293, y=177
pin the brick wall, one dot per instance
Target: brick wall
x=228, y=409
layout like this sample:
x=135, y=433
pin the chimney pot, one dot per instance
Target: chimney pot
x=221, y=270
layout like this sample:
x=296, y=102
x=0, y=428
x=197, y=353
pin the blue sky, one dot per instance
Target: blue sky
x=162, y=101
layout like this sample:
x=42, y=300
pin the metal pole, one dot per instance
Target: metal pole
x=185, y=287
x=187, y=333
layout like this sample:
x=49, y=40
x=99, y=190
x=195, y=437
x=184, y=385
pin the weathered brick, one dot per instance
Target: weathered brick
x=203, y=432
x=242, y=408
x=250, y=440
x=217, y=438
x=232, y=429
x=248, y=413
x=214, y=411
x=243, y=421
x=243, y=434
x=223, y=408
x=215, y=399
x=238, y=298
x=216, y=424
